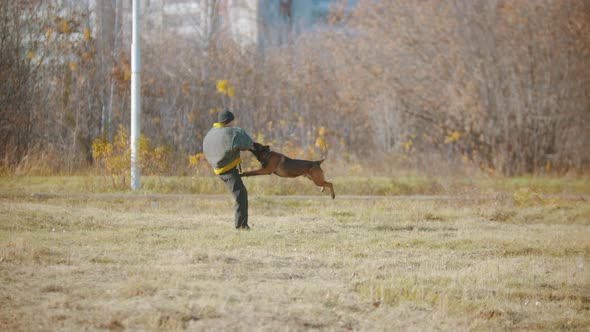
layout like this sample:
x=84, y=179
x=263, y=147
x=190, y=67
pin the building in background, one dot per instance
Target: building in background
x=263, y=23
x=282, y=21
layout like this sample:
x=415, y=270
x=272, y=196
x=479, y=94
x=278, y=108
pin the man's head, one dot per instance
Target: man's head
x=225, y=117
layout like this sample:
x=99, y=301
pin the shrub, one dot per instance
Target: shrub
x=114, y=159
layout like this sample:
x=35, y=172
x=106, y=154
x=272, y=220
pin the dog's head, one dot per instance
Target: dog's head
x=260, y=151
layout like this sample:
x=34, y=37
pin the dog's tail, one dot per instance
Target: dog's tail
x=324, y=155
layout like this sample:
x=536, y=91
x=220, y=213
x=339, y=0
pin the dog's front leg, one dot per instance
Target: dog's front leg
x=267, y=168
x=262, y=171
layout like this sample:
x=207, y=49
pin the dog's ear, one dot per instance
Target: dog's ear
x=257, y=148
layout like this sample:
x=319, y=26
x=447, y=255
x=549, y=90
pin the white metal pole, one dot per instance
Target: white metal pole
x=135, y=98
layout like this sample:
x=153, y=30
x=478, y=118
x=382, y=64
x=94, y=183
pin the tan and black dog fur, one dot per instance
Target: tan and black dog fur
x=281, y=165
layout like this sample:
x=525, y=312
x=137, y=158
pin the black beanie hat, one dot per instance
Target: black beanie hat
x=225, y=117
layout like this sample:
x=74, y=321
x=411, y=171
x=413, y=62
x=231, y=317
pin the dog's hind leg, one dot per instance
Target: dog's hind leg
x=317, y=176
x=331, y=186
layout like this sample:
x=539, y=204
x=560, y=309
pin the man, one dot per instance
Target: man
x=222, y=146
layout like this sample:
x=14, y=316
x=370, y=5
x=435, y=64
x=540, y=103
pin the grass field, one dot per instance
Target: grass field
x=510, y=255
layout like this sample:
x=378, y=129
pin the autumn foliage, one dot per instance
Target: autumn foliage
x=499, y=87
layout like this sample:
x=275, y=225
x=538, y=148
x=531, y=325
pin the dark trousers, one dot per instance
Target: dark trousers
x=234, y=183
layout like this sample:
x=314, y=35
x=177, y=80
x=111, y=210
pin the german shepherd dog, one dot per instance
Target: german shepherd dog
x=283, y=166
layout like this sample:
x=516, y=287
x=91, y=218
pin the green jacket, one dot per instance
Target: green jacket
x=222, y=146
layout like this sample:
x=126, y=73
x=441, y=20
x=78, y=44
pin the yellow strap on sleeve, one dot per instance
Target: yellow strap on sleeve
x=228, y=166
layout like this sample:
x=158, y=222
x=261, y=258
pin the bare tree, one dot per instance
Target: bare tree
x=500, y=80
x=501, y=85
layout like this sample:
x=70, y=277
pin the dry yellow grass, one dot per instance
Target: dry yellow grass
x=142, y=263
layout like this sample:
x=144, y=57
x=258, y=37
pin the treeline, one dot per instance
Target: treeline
x=498, y=86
